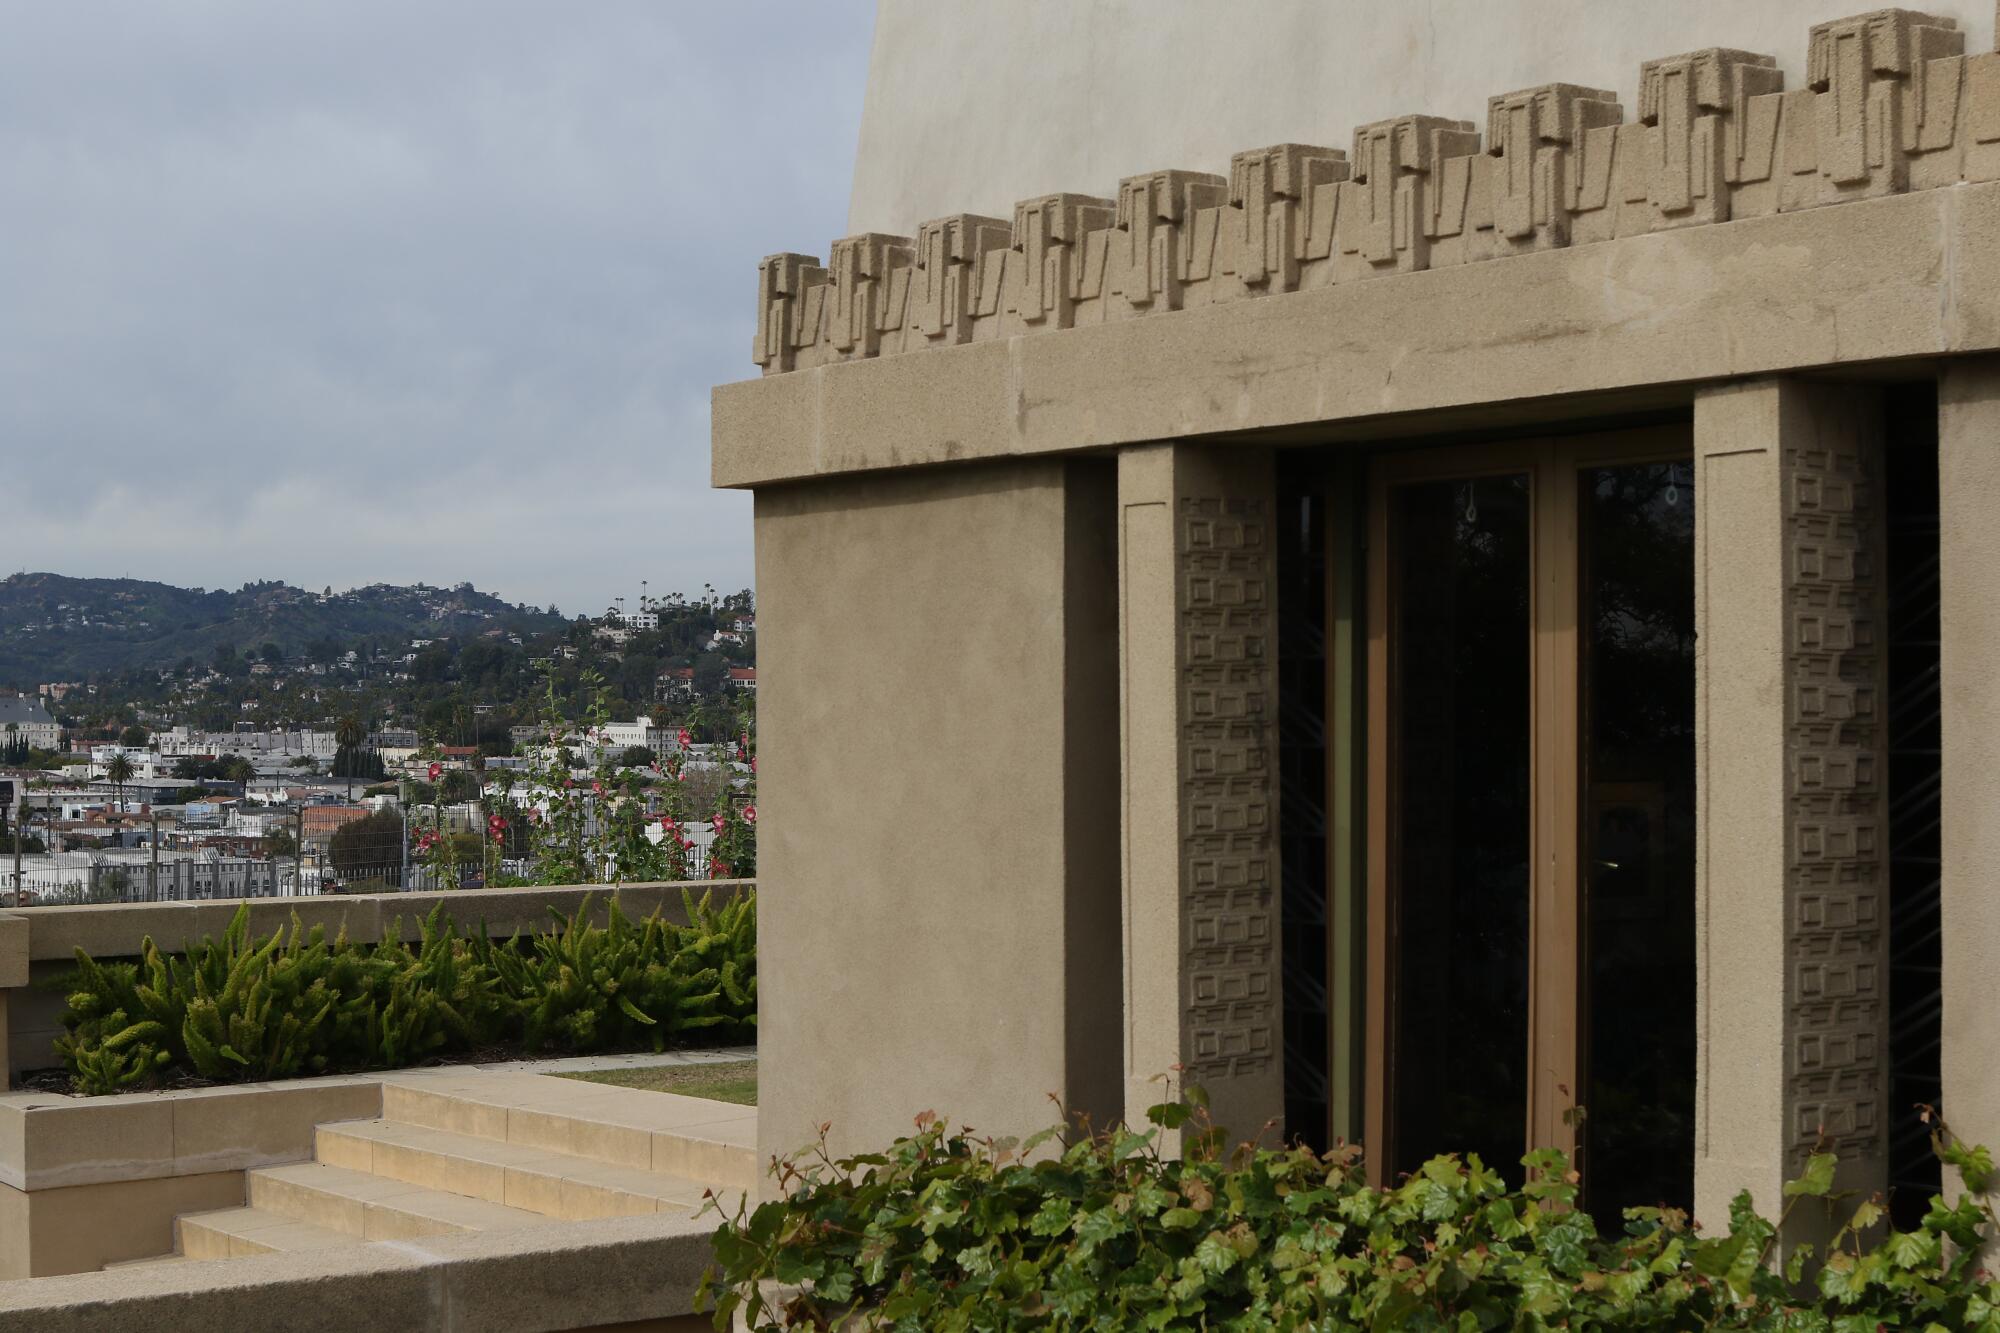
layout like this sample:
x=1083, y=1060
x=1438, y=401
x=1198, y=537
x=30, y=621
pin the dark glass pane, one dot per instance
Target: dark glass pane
x=1461, y=699
x=1302, y=740
x=1638, y=609
x=1916, y=993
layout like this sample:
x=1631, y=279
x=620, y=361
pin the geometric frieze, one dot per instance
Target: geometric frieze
x=1225, y=620
x=1890, y=103
x=1836, y=797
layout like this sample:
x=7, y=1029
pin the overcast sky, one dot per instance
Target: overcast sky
x=346, y=291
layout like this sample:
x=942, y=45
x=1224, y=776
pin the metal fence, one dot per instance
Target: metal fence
x=165, y=881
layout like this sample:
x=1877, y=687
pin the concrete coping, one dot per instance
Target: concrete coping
x=564, y=1275
x=119, y=930
x=52, y=1140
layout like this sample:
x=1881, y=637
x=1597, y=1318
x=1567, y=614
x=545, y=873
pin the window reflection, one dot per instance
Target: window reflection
x=1638, y=607
x=1461, y=722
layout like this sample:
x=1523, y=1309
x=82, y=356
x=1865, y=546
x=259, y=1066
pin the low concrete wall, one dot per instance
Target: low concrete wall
x=38, y=943
x=619, y=1273
x=86, y=1181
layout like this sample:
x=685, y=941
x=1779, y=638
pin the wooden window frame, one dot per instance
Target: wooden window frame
x=1556, y=1034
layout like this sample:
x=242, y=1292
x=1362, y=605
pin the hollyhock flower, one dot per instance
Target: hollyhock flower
x=436, y=768
x=687, y=844
x=718, y=821
x=718, y=869
x=749, y=814
x=753, y=763
x=684, y=739
x=569, y=782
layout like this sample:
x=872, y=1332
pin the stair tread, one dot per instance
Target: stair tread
x=268, y=1229
x=523, y=1157
x=460, y=1212
x=636, y=1108
x=149, y=1261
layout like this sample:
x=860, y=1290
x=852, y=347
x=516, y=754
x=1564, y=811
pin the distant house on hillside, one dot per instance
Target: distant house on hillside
x=677, y=683
x=23, y=717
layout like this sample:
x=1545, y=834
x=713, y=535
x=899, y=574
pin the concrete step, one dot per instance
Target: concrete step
x=150, y=1262
x=660, y=1132
x=555, y=1184
x=370, y=1207
x=228, y=1233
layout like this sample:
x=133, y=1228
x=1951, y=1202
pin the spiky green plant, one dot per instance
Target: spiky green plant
x=295, y=1003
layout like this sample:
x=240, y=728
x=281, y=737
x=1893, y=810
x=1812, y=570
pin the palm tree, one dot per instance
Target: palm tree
x=119, y=772
x=348, y=733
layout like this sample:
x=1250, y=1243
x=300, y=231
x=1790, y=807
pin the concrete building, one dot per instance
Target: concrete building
x=1459, y=616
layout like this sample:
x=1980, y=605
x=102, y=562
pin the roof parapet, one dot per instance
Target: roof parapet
x=1891, y=104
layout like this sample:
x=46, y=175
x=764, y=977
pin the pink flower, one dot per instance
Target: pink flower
x=687, y=843
x=684, y=739
x=718, y=869
x=749, y=814
x=436, y=768
x=718, y=821
x=597, y=787
x=569, y=782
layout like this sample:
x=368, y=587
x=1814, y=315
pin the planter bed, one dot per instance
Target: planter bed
x=304, y=1001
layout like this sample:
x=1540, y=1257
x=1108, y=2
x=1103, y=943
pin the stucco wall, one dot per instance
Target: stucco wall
x=939, y=865
x=972, y=105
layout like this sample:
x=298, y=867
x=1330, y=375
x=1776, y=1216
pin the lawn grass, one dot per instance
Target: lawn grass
x=734, y=1081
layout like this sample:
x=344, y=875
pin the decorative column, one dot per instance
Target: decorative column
x=1969, y=671
x=1198, y=721
x=1792, y=878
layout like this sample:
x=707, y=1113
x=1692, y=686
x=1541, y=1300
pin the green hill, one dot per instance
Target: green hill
x=58, y=628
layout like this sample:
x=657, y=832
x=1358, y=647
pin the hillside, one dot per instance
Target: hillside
x=58, y=628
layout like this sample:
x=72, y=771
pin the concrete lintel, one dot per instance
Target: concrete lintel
x=1915, y=275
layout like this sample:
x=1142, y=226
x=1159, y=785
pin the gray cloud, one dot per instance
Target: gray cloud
x=340, y=291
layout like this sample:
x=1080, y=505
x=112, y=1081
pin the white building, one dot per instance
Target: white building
x=146, y=766
x=178, y=742
x=23, y=717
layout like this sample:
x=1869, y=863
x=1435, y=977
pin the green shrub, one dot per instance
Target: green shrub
x=294, y=1004
x=948, y=1232
x=626, y=985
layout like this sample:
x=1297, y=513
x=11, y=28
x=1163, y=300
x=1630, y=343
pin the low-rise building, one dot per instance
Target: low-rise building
x=23, y=717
